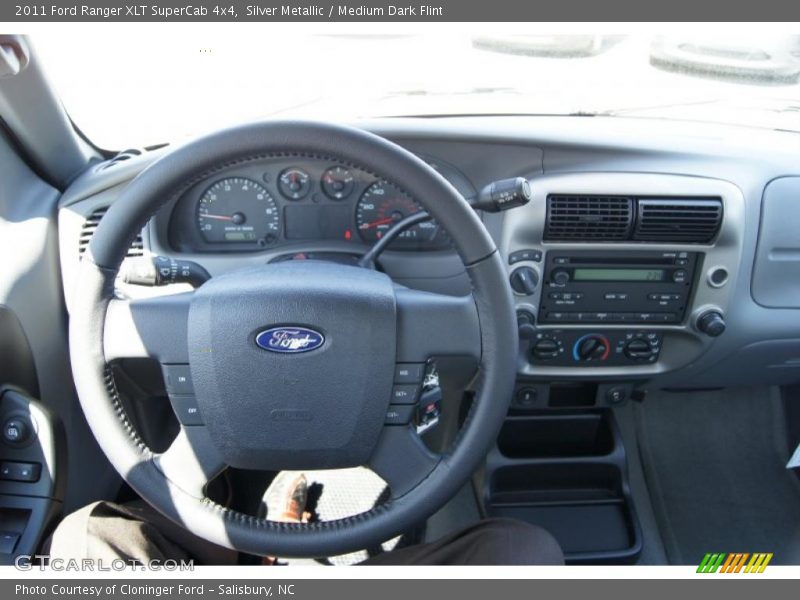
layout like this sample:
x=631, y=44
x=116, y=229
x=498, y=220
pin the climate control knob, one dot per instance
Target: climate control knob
x=638, y=350
x=524, y=280
x=545, y=348
x=591, y=347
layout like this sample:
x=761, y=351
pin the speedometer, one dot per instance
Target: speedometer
x=381, y=206
x=237, y=209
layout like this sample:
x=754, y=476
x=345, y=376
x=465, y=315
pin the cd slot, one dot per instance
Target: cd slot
x=604, y=260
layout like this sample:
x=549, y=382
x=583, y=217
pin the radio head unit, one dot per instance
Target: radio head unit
x=584, y=286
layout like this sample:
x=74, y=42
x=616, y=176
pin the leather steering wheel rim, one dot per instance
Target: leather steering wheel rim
x=139, y=466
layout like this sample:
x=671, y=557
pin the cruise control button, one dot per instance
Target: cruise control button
x=187, y=410
x=178, y=379
x=399, y=414
x=409, y=372
x=405, y=394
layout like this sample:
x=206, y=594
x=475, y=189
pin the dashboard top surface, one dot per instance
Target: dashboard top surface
x=557, y=155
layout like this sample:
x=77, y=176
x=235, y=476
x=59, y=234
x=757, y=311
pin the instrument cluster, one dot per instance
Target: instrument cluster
x=262, y=206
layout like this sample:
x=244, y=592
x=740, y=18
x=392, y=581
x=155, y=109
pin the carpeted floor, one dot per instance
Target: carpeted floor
x=715, y=467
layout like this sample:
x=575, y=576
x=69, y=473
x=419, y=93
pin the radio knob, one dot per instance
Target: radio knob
x=524, y=280
x=638, y=350
x=526, y=324
x=592, y=347
x=545, y=348
x=711, y=323
x=560, y=277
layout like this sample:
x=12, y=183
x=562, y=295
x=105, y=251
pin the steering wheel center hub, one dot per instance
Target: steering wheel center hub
x=293, y=363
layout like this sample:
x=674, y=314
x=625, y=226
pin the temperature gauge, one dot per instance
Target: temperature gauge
x=337, y=183
x=294, y=183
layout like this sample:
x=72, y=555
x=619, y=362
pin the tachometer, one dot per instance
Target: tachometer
x=237, y=209
x=381, y=206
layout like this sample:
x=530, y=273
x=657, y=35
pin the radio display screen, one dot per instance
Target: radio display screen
x=618, y=275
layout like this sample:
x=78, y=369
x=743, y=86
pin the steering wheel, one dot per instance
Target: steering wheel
x=319, y=409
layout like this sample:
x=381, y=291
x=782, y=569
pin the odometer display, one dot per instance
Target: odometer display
x=381, y=206
x=238, y=210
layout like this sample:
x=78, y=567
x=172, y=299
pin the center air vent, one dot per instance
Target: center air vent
x=678, y=220
x=588, y=218
x=89, y=227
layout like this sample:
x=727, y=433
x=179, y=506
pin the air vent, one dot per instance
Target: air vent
x=89, y=227
x=678, y=220
x=588, y=218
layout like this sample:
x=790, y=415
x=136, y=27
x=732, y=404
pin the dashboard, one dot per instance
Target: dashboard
x=294, y=200
x=651, y=252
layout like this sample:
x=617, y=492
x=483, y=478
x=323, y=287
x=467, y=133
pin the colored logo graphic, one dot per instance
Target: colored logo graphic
x=736, y=562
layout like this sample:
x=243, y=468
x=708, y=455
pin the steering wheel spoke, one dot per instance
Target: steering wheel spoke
x=402, y=460
x=191, y=461
x=430, y=324
x=148, y=328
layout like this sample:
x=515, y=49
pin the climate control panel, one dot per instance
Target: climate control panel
x=570, y=348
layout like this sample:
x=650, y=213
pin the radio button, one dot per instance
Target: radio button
x=560, y=277
x=616, y=296
x=680, y=276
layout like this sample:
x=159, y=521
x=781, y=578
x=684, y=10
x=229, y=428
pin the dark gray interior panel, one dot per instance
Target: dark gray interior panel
x=31, y=287
x=776, y=274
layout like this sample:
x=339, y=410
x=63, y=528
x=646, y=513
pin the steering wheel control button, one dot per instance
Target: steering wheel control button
x=19, y=471
x=178, y=379
x=16, y=431
x=399, y=414
x=524, y=280
x=405, y=394
x=187, y=410
x=409, y=373
x=522, y=255
x=429, y=410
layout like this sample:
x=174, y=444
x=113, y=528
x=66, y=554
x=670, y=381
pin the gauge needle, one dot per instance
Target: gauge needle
x=218, y=217
x=377, y=223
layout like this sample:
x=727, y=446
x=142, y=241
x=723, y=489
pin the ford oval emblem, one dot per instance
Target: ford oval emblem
x=289, y=340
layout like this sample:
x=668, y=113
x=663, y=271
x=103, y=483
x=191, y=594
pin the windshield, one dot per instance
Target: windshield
x=124, y=89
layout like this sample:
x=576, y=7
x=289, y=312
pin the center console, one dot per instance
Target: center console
x=617, y=278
